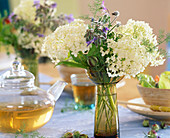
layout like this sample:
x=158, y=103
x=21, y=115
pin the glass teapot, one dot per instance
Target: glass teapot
x=24, y=106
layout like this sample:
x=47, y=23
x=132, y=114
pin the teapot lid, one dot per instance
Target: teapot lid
x=17, y=77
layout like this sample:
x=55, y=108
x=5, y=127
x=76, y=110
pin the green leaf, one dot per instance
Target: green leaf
x=164, y=81
x=93, y=51
x=71, y=64
x=146, y=80
x=81, y=58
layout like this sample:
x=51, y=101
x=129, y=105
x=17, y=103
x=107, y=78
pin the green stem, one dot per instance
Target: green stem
x=108, y=120
x=106, y=107
x=99, y=115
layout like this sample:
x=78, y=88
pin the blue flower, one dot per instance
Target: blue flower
x=69, y=18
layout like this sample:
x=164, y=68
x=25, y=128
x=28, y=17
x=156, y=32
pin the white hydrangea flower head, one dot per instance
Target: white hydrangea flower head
x=27, y=11
x=69, y=37
x=129, y=55
x=138, y=30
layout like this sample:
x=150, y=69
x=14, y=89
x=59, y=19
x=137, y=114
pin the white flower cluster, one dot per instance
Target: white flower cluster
x=27, y=11
x=29, y=41
x=129, y=55
x=138, y=30
x=69, y=37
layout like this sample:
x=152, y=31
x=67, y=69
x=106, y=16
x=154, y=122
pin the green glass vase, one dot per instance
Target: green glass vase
x=31, y=64
x=106, y=109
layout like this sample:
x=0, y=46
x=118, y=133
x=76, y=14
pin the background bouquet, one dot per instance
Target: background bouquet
x=27, y=26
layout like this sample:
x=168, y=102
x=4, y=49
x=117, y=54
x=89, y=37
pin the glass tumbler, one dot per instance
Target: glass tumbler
x=83, y=90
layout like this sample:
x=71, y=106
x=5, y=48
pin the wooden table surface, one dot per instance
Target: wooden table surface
x=125, y=93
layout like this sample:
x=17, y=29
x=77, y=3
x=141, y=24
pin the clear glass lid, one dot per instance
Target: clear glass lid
x=17, y=77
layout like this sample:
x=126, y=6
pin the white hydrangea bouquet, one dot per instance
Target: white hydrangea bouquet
x=108, y=51
x=119, y=50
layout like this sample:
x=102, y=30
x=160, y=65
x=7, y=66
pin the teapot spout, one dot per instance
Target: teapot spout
x=56, y=89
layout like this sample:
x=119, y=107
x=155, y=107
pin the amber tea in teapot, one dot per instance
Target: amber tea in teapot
x=23, y=106
x=29, y=118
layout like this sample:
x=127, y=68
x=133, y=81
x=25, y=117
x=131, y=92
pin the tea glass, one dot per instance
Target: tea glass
x=83, y=90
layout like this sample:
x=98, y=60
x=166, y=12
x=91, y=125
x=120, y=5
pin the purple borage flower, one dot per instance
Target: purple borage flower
x=69, y=18
x=105, y=29
x=54, y=5
x=37, y=3
x=41, y=35
x=91, y=41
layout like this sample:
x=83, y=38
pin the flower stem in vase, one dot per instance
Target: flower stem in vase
x=106, y=113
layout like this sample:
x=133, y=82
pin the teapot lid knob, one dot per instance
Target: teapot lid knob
x=16, y=65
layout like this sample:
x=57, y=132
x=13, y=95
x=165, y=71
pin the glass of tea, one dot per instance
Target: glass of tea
x=83, y=90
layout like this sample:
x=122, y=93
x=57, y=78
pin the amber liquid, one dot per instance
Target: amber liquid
x=115, y=136
x=13, y=119
x=84, y=93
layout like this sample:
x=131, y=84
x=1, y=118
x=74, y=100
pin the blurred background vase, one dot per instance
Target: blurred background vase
x=30, y=63
x=32, y=66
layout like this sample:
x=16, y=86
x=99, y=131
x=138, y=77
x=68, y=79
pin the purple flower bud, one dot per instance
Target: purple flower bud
x=92, y=19
x=10, y=17
x=69, y=18
x=41, y=35
x=91, y=41
x=54, y=5
x=37, y=3
x=153, y=131
x=105, y=29
x=104, y=8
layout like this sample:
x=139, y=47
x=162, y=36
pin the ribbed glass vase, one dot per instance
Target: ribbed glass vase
x=106, y=109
